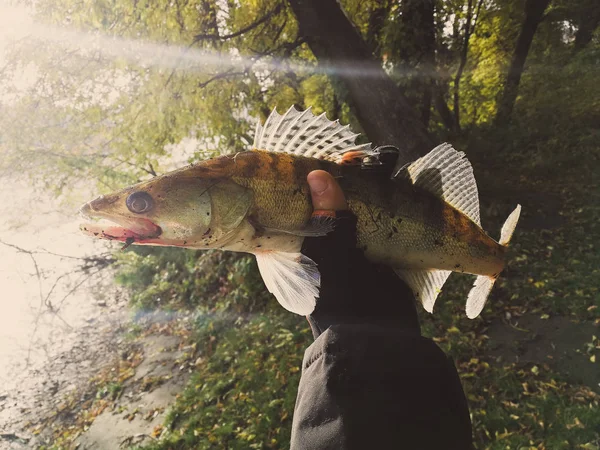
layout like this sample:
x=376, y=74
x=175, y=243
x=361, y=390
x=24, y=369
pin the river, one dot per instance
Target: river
x=56, y=320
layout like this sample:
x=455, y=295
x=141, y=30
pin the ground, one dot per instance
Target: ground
x=555, y=341
x=139, y=410
x=110, y=391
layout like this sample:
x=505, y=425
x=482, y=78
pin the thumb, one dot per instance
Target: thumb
x=326, y=193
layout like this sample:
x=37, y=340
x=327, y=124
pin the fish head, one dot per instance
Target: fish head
x=182, y=209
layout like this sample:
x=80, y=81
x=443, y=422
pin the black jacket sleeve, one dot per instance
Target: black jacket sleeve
x=371, y=387
x=370, y=380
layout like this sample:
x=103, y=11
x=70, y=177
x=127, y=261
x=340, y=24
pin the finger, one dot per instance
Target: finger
x=326, y=193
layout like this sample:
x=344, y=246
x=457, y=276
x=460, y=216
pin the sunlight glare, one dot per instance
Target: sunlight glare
x=16, y=22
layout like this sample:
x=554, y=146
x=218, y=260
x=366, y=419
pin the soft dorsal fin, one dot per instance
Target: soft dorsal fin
x=447, y=174
x=303, y=133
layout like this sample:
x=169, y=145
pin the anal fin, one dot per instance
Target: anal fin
x=292, y=278
x=425, y=284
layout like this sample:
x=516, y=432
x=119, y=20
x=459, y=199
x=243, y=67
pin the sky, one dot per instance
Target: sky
x=15, y=23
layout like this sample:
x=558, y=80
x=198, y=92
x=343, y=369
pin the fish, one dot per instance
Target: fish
x=422, y=219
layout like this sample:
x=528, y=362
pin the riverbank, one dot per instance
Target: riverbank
x=43, y=392
x=111, y=387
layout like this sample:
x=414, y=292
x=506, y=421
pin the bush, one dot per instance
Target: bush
x=173, y=278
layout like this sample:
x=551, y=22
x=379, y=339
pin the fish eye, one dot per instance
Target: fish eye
x=139, y=202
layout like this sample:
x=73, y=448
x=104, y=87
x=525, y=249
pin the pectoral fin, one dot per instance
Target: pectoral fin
x=292, y=278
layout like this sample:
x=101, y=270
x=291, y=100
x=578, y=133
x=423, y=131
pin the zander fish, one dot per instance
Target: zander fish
x=422, y=220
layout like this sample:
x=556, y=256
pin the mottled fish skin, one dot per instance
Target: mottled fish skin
x=281, y=193
x=398, y=224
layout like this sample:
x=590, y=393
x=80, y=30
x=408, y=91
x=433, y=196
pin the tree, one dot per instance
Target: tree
x=534, y=12
x=587, y=19
x=469, y=27
x=410, y=44
x=379, y=105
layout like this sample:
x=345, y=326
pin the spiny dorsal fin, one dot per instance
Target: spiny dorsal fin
x=447, y=174
x=303, y=133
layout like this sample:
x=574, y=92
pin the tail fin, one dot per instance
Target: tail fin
x=484, y=284
x=509, y=226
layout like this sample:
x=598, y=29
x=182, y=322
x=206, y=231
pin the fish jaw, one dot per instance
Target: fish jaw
x=119, y=228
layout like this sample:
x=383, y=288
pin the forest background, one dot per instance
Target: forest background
x=113, y=92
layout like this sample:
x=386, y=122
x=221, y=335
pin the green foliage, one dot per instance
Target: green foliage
x=127, y=113
x=172, y=278
x=112, y=390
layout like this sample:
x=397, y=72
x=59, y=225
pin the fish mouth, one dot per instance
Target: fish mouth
x=117, y=228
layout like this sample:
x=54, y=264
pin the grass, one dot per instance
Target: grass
x=554, y=271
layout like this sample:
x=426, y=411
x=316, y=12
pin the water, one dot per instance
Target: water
x=31, y=313
x=49, y=306
x=44, y=298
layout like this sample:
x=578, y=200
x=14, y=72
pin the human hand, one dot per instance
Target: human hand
x=353, y=290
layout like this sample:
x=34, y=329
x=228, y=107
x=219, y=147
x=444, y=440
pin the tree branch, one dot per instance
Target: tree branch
x=220, y=76
x=150, y=170
x=256, y=23
x=287, y=48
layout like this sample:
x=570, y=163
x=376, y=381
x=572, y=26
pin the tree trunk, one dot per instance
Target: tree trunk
x=534, y=11
x=589, y=19
x=382, y=110
x=415, y=51
x=426, y=72
x=470, y=24
x=375, y=27
x=442, y=108
x=464, y=51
